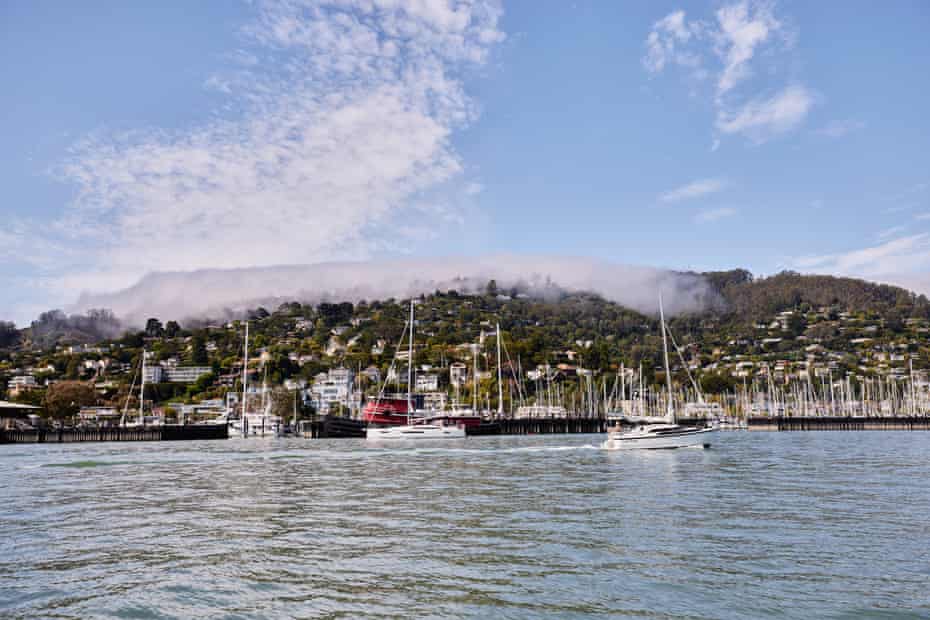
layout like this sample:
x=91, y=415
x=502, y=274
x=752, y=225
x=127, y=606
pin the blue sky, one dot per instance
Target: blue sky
x=700, y=136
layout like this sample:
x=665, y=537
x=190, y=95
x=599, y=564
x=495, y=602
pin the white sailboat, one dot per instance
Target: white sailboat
x=140, y=421
x=660, y=433
x=254, y=423
x=410, y=431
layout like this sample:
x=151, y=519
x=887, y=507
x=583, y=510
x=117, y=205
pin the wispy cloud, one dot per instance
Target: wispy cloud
x=726, y=46
x=743, y=27
x=887, y=261
x=890, y=232
x=347, y=113
x=695, y=189
x=840, y=128
x=762, y=119
x=712, y=215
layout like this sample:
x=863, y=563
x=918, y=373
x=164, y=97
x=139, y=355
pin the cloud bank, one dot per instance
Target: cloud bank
x=342, y=113
x=215, y=293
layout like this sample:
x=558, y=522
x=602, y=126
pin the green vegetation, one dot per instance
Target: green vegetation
x=789, y=324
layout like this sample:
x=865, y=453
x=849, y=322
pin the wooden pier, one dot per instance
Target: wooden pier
x=170, y=432
x=839, y=423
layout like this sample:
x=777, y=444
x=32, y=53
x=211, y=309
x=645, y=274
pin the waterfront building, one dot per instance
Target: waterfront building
x=332, y=390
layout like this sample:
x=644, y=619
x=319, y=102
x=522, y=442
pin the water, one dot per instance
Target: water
x=764, y=525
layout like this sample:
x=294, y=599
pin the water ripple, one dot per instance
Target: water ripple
x=765, y=525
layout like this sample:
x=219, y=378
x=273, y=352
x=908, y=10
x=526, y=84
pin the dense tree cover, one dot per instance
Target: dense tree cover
x=752, y=299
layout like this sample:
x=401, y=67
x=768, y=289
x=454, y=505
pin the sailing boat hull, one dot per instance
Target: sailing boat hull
x=684, y=438
x=414, y=432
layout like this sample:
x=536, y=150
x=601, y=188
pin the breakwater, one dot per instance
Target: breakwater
x=168, y=432
x=839, y=423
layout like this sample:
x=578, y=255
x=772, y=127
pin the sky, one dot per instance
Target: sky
x=695, y=136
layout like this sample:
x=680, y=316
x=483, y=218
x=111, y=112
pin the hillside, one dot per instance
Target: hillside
x=795, y=327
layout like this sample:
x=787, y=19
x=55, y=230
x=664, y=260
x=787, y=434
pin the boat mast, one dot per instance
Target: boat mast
x=500, y=385
x=670, y=411
x=245, y=375
x=142, y=390
x=410, y=367
x=474, y=379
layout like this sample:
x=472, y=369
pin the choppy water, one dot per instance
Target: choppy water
x=764, y=525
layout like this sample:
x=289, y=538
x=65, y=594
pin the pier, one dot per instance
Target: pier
x=840, y=423
x=169, y=432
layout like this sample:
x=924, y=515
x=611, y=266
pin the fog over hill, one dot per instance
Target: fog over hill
x=224, y=292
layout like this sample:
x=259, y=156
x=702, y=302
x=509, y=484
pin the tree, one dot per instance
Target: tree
x=199, y=355
x=65, y=398
x=9, y=335
x=73, y=371
x=153, y=328
x=716, y=384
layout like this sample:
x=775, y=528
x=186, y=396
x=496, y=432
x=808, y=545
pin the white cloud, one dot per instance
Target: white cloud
x=742, y=28
x=695, y=189
x=712, y=215
x=890, y=232
x=761, y=119
x=904, y=259
x=348, y=108
x=840, y=128
x=663, y=45
x=726, y=47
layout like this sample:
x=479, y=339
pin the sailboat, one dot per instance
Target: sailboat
x=254, y=423
x=411, y=431
x=140, y=421
x=662, y=432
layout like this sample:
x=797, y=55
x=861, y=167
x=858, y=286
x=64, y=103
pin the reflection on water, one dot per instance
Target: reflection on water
x=774, y=525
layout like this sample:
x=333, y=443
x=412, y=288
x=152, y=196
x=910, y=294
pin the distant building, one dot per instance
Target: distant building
x=99, y=416
x=176, y=374
x=428, y=382
x=373, y=374
x=332, y=390
x=458, y=374
x=20, y=385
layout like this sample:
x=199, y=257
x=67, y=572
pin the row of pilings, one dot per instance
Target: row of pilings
x=168, y=432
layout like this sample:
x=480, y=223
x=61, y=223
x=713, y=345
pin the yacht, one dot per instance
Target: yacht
x=659, y=433
x=412, y=430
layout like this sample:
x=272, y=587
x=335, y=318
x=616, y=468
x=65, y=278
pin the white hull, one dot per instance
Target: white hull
x=639, y=440
x=415, y=432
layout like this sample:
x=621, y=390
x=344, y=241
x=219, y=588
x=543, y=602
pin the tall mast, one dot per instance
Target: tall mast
x=500, y=385
x=142, y=390
x=410, y=367
x=670, y=411
x=245, y=374
x=474, y=379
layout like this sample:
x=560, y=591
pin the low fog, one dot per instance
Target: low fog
x=216, y=293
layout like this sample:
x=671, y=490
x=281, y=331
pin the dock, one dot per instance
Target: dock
x=168, y=432
x=840, y=423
